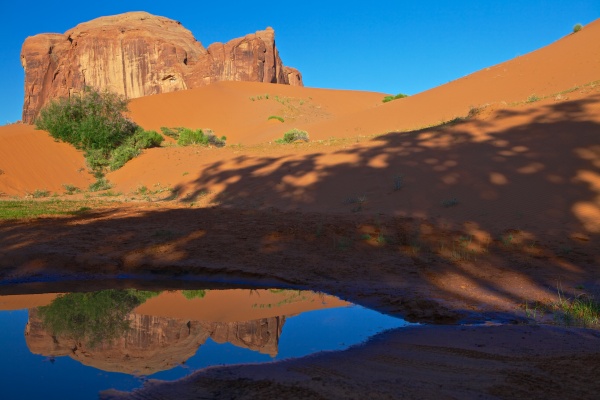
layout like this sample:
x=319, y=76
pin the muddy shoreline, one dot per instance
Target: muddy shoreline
x=150, y=247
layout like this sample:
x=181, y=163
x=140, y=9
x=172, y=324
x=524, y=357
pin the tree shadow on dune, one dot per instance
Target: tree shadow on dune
x=484, y=213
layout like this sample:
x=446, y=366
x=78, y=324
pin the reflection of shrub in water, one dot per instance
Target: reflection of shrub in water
x=192, y=294
x=94, y=317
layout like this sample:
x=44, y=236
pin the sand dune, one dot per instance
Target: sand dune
x=227, y=107
x=31, y=160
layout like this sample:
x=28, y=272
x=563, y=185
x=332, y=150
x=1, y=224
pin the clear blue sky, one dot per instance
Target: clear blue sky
x=384, y=46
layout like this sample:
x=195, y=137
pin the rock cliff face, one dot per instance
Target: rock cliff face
x=138, y=54
x=155, y=344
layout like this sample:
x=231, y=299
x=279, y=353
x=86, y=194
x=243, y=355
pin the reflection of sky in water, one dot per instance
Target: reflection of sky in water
x=28, y=376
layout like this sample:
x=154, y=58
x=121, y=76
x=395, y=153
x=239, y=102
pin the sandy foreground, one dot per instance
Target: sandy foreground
x=443, y=221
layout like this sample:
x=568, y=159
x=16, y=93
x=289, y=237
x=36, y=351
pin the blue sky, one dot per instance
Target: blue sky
x=384, y=46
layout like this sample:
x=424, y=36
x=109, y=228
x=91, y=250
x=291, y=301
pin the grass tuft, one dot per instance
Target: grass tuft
x=294, y=135
x=277, y=117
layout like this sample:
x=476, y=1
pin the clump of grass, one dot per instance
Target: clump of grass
x=507, y=239
x=277, y=117
x=358, y=200
x=582, y=310
x=292, y=136
x=24, y=209
x=450, y=202
x=475, y=111
x=110, y=193
x=577, y=28
x=533, y=98
x=186, y=136
x=100, y=184
x=396, y=97
x=39, y=193
x=71, y=189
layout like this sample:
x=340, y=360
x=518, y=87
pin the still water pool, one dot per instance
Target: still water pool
x=75, y=345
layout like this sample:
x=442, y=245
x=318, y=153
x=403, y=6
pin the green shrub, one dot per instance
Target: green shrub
x=577, y=28
x=121, y=155
x=38, y=193
x=100, y=184
x=93, y=121
x=171, y=132
x=293, y=136
x=147, y=139
x=277, y=117
x=390, y=98
x=71, y=189
x=188, y=136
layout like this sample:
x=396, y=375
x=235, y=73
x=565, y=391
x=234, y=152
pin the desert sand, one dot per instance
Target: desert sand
x=419, y=207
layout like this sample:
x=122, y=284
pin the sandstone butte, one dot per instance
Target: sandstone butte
x=139, y=54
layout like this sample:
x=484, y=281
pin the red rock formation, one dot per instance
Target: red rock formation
x=138, y=54
x=155, y=344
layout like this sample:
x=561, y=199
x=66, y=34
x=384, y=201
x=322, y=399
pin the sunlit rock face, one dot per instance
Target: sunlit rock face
x=138, y=54
x=153, y=344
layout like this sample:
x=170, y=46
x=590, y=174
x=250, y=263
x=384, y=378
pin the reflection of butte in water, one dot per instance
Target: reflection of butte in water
x=168, y=329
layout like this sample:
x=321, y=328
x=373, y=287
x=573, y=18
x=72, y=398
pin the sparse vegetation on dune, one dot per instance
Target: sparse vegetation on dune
x=294, y=135
x=25, y=209
x=577, y=28
x=276, y=117
x=396, y=97
x=186, y=136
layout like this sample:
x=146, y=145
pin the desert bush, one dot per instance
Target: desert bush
x=186, y=136
x=147, y=139
x=171, y=132
x=121, y=155
x=93, y=121
x=577, y=28
x=38, y=193
x=277, y=117
x=100, y=184
x=390, y=98
x=293, y=136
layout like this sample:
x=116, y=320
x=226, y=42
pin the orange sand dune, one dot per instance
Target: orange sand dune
x=31, y=160
x=228, y=109
x=240, y=110
x=532, y=167
x=20, y=302
x=237, y=305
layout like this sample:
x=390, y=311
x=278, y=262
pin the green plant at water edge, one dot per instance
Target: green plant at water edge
x=396, y=97
x=577, y=28
x=582, y=310
x=93, y=121
x=277, y=117
x=292, y=136
x=93, y=317
x=193, y=294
